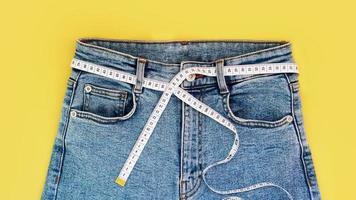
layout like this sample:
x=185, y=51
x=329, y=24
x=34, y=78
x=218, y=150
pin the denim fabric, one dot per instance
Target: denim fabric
x=93, y=142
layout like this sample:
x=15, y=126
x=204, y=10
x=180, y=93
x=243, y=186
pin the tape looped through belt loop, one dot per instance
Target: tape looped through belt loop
x=220, y=77
x=140, y=71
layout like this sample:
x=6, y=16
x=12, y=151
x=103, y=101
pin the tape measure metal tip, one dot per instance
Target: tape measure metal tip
x=120, y=181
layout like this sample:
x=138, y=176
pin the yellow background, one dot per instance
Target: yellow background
x=38, y=41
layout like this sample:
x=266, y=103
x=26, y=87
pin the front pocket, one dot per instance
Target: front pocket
x=106, y=105
x=260, y=102
x=103, y=101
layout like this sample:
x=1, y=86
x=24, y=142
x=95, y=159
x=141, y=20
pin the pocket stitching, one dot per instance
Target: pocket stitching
x=251, y=78
x=116, y=95
x=107, y=93
x=119, y=103
x=84, y=114
x=251, y=122
x=101, y=119
x=295, y=86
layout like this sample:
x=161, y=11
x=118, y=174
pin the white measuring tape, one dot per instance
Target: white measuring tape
x=173, y=88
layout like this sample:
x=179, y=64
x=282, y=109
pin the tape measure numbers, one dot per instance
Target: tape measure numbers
x=173, y=87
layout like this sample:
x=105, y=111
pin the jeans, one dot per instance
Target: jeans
x=102, y=118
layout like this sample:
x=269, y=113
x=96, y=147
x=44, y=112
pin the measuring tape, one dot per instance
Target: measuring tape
x=173, y=88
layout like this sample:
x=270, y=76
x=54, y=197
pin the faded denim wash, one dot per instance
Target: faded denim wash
x=93, y=142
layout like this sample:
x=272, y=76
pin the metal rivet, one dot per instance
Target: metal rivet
x=191, y=77
x=289, y=118
x=73, y=113
x=87, y=88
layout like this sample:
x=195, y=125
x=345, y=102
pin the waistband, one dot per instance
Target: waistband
x=164, y=59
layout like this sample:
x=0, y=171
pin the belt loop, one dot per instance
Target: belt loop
x=140, y=71
x=220, y=76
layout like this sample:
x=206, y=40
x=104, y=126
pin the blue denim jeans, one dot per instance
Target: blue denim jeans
x=102, y=118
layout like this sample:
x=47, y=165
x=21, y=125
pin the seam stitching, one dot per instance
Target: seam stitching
x=295, y=123
x=198, y=182
x=74, y=86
